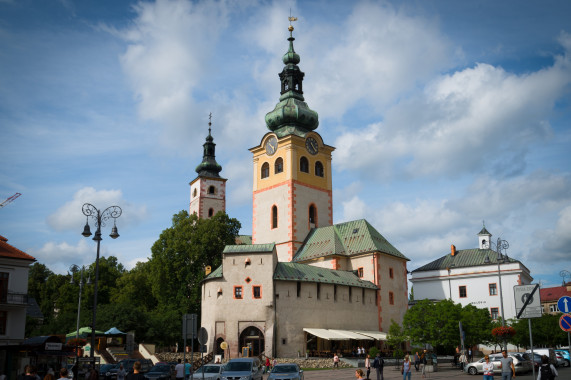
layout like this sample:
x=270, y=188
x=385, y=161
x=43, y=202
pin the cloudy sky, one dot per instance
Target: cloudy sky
x=443, y=113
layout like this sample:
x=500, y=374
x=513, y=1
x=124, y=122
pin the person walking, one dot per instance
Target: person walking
x=423, y=362
x=178, y=369
x=63, y=373
x=378, y=365
x=187, y=368
x=268, y=365
x=359, y=374
x=406, y=368
x=416, y=361
x=463, y=361
x=488, y=368
x=136, y=374
x=335, y=361
x=368, y=365
x=121, y=373
x=507, y=366
x=546, y=371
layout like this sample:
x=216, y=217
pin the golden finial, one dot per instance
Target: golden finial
x=291, y=18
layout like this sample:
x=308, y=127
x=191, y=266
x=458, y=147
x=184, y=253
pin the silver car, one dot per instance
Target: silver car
x=289, y=371
x=242, y=369
x=211, y=371
x=520, y=364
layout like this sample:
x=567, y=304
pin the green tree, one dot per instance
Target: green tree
x=134, y=288
x=396, y=338
x=182, y=252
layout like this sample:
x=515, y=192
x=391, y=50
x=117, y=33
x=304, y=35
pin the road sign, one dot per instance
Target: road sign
x=189, y=326
x=564, y=304
x=521, y=295
x=565, y=322
x=202, y=336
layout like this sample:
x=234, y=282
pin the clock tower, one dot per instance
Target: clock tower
x=292, y=169
x=208, y=189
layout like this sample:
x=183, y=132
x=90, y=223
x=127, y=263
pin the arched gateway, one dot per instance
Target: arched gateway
x=254, y=338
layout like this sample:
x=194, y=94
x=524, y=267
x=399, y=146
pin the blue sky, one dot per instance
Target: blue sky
x=443, y=113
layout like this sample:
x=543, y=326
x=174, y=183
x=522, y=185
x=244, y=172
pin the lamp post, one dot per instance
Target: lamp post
x=501, y=244
x=112, y=212
x=74, y=269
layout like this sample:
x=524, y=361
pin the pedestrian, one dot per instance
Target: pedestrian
x=187, y=368
x=121, y=373
x=93, y=375
x=268, y=364
x=378, y=365
x=49, y=376
x=405, y=369
x=507, y=366
x=368, y=365
x=423, y=362
x=488, y=368
x=463, y=361
x=274, y=362
x=359, y=374
x=335, y=361
x=63, y=373
x=136, y=374
x=470, y=355
x=546, y=371
x=178, y=370
x=416, y=361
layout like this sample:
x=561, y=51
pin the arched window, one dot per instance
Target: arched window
x=313, y=215
x=265, y=170
x=319, y=169
x=194, y=192
x=274, y=216
x=212, y=190
x=304, y=165
x=279, y=165
x=210, y=212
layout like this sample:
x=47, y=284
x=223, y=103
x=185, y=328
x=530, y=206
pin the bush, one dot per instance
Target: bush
x=373, y=351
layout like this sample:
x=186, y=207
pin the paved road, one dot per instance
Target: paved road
x=391, y=373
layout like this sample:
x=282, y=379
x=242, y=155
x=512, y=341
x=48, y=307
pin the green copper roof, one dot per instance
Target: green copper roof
x=216, y=273
x=484, y=231
x=345, y=239
x=309, y=273
x=251, y=248
x=465, y=258
x=291, y=115
x=209, y=167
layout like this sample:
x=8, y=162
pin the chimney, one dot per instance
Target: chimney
x=452, y=249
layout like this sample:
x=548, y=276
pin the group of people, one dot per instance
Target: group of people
x=182, y=371
x=359, y=352
x=269, y=364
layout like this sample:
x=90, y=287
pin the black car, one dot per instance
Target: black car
x=146, y=365
x=159, y=372
x=105, y=371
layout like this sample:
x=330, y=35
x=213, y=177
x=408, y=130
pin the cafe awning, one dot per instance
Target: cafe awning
x=335, y=334
x=378, y=335
x=325, y=334
x=352, y=335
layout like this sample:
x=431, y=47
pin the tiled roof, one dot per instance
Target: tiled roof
x=251, y=248
x=464, y=258
x=309, y=273
x=345, y=239
x=6, y=250
x=243, y=239
x=553, y=294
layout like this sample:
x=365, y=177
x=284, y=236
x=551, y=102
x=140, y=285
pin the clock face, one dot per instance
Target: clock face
x=271, y=146
x=311, y=145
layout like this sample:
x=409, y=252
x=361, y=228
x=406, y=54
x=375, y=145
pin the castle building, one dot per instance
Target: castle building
x=301, y=285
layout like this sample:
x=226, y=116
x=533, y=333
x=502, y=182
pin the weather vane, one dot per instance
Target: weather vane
x=209, y=121
x=291, y=18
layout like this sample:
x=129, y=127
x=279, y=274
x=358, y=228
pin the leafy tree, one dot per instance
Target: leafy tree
x=37, y=277
x=396, y=337
x=134, y=287
x=182, y=252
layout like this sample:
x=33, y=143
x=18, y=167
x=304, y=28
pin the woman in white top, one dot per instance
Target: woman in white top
x=368, y=365
x=405, y=370
x=488, y=369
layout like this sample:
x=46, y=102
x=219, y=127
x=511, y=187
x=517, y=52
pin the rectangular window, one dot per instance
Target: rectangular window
x=298, y=289
x=335, y=293
x=553, y=308
x=257, y=291
x=493, y=290
x=360, y=272
x=4, y=276
x=3, y=320
x=350, y=294
x=363, y=295
x=494, y=313
x=391, y=275
x=391, y=298
x=463, y=293
x=377, y=298
x=318, y=290
x=238, y=292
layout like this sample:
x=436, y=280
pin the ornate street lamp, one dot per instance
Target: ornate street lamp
x=74, y=269
x=112, y=212
x=501, y=245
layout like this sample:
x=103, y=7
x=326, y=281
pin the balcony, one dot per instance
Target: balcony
x=13, y=298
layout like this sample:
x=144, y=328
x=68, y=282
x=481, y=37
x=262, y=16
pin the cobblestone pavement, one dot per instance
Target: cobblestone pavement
x=391, y=373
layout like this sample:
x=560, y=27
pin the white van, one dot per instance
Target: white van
x=549, y=352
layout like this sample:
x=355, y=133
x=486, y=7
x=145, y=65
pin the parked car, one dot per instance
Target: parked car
x=521, y=364
x=146, y=365
x=159, y=372
x=536, y=361
x=560, y=359
x=211, y=371
x=549, y=352
x=104, y=371
x=243, y=369
x=565, y=354
x=288, y=371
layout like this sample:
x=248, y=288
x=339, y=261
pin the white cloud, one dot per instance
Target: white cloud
x=58, y=256
x=558, y=241
x=70, y=216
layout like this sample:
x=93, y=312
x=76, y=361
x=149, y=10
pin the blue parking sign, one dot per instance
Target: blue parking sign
x=564, y=304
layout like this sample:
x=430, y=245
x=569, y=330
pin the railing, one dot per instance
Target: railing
x=201, y=361
x=13, y=298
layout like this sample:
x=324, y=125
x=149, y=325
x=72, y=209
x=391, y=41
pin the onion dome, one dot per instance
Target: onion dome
x=209, y=167
x=291, y=115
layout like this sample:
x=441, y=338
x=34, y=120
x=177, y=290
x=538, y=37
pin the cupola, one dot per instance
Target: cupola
x=209, y=167
x=484, y=238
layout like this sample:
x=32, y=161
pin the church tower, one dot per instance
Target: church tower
x=292, y=169
x=484, y=238
x=208, y=189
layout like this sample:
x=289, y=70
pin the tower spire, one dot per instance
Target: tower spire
x=291, y=115
x=209, y=167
